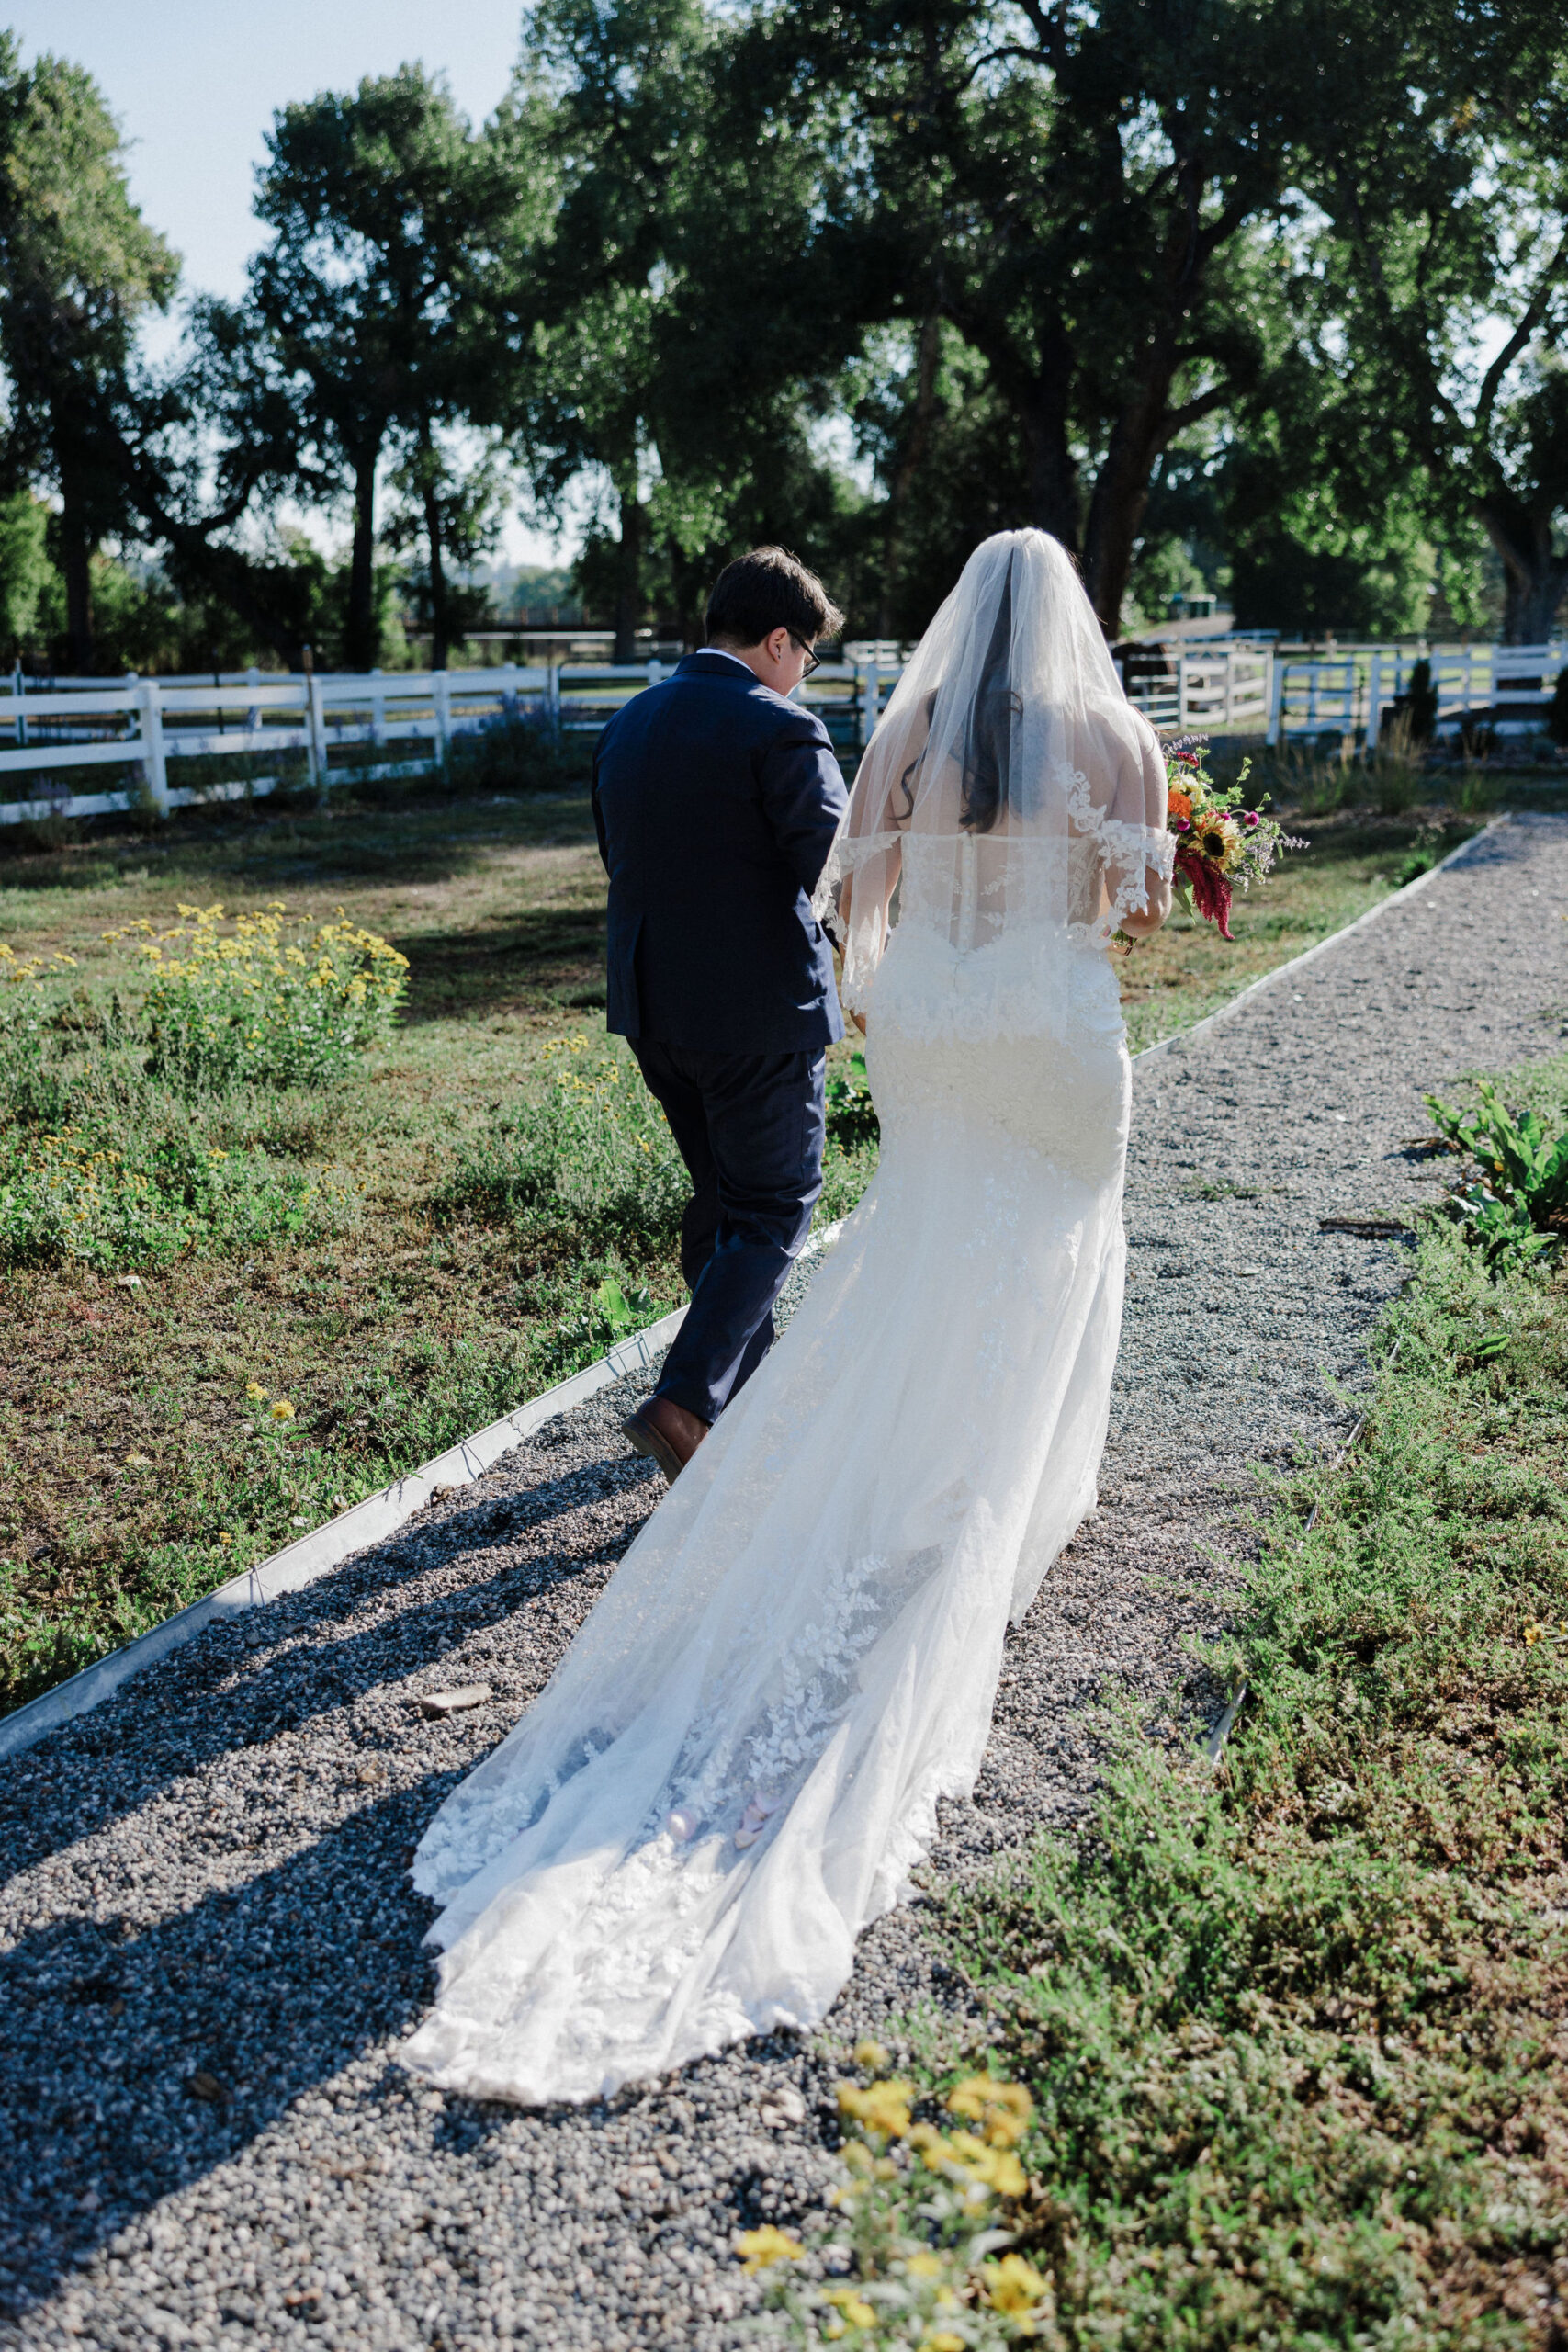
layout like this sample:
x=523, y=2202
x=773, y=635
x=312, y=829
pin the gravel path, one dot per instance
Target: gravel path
x=210, y=1951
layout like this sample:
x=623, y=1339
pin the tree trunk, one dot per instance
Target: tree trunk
x=438, y=601
x=928, y=352
x=1121, y=493
x=629, y=579
x=1533, y=576
x=77, y=565
x=361, y=637
x=1054, y=494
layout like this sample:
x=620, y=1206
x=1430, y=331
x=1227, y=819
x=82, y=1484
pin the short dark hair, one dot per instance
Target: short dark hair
x=766, y=590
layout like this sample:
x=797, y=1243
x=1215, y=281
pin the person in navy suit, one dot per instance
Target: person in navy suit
x=716, y=799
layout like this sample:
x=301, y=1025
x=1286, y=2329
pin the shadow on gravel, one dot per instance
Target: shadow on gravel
x=245, y=1682
x=152, y=2057
x=138, y=2058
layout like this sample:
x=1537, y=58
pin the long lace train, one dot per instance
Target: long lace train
x=740, y=1759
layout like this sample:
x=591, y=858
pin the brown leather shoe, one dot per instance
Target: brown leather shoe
x=665, y=1433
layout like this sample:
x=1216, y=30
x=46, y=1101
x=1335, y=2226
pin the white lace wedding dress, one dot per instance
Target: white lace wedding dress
x=740, y=1759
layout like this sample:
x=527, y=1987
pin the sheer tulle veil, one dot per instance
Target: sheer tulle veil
x=1006, y=741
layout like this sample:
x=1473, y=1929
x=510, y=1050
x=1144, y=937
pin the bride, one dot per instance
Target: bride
x=740, y=1759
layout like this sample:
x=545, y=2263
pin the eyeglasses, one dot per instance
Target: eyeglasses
x=811, y=661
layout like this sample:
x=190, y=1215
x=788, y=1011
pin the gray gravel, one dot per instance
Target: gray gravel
x=211, y=1950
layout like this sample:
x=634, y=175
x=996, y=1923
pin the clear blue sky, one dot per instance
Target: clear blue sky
x=196, y=83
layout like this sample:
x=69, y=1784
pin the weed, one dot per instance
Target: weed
x=852, y=1114
x=591, y=1167
x=1518, y=1206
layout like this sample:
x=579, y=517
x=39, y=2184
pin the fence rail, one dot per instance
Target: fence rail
x=328, y=727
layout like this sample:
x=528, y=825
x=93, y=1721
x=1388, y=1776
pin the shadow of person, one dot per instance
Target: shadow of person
x=140, y=2060
x=247, y=1681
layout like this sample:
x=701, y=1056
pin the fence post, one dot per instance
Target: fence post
x=1374, y=701
x=869, y=696
x=315, y=732
x=154, y=769
x=1276, y=699
x=552, y=691
x=441, y=695
x=20, y=687
x=378, y=712
x=252, y=715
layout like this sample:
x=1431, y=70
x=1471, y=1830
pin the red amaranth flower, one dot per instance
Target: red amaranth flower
x=1210, y=891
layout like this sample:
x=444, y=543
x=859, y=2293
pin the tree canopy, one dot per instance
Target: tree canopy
x=1267, y=296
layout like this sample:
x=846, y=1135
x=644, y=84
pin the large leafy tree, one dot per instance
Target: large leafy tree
x=384, y=208
x=1086, y=196
x=79, y=268
x=1439, y=291
x=662, y=312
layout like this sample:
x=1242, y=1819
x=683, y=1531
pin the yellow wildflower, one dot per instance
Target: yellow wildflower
x=759, y=2249
x=256, y=1392
x=924, y=2265
x=1014, y=2288
x=1003, y=2110
x=884, y=2108
x=872, y=2057
x=996, y=2168
x=853, y=2307
x=944, y=2340
x=282, y=1409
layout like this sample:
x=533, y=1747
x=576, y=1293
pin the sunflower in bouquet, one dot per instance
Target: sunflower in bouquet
x=1222, y=845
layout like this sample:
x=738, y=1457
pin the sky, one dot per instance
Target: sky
x=195, y=85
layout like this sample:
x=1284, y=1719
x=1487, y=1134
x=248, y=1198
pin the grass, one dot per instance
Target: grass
x=407, y=1252
x=1291, y=2034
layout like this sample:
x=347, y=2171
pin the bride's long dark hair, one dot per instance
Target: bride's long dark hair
x=988, y=737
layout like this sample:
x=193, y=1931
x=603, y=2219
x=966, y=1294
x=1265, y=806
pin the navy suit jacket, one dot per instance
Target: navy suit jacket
x=716, y=801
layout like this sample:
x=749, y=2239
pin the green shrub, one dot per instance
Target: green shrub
x=135, y=1132
x=106, y=1197
x=1518, y=1206
x=518, y=751
x=590, y=1169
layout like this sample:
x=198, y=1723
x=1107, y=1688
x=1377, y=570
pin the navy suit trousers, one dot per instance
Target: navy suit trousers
x=749, y=1128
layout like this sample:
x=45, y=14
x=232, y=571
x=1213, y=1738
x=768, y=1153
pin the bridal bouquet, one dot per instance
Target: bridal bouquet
x=1222, y=845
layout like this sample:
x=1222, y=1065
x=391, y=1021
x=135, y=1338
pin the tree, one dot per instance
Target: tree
x=1088, y=196
x=598, y=123
x=1441, y=277
x=23, y=568
x=382, y=206
x=79, y=268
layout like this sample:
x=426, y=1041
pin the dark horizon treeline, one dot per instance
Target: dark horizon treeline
x=1263, y=301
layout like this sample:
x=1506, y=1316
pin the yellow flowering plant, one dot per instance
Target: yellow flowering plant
x=265, y=997
x=930, y=2208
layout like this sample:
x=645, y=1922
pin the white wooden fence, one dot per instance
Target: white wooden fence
x=1350, y=694
x=331, y=728
x=1215, y=689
